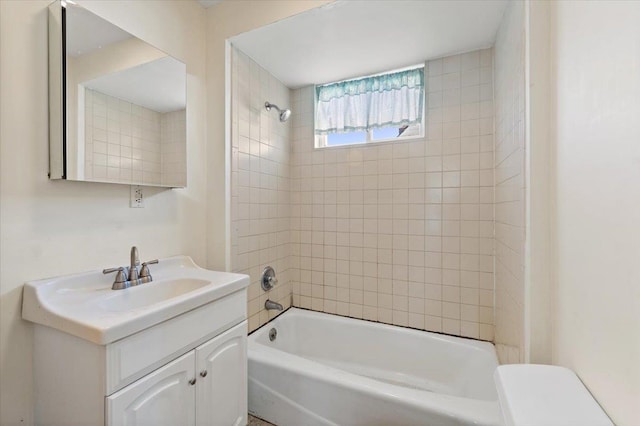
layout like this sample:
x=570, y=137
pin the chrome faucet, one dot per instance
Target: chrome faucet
x=129, y=277
x=133, y=269
x=268, y=305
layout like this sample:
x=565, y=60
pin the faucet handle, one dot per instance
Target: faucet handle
x=120, y=281
x=268, y=278
x=110, y=270
x=145, y=274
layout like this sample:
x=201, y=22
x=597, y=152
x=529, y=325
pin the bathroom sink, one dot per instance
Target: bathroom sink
x=85, y=306
x=142, y=296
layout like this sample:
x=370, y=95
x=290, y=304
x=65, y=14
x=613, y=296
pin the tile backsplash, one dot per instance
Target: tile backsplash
x=402, y=232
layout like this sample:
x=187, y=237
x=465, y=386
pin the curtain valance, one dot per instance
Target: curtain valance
x=394, y=99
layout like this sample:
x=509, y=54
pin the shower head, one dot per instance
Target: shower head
x=284, y=114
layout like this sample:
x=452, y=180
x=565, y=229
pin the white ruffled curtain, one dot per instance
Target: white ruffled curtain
x=374, y=102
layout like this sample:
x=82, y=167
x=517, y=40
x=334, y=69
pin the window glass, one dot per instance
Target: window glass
x=385, y=133
x=337, y=139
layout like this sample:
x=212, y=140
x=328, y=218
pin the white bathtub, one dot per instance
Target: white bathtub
x=328, y=370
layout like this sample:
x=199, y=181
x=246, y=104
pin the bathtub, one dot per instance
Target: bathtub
x=324, y=369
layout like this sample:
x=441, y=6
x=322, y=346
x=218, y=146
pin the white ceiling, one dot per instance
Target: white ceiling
x=353, y=38
x=159, y=85
x=87, y=32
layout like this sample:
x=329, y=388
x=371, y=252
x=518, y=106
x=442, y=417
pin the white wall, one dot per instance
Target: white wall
x=597, y=240
x=50, y=228
x=538, y=165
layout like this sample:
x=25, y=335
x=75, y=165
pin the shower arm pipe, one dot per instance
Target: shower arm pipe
x=268, y=105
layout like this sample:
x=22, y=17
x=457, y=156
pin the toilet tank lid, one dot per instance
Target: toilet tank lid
x=534, y=395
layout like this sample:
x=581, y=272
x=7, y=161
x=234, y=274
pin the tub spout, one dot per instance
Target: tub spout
x=268, y=305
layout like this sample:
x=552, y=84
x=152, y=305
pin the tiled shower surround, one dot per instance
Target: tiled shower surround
x=260, y=195
x=402, y=232
x=397, y=232
x=125, y=142
x=510, y=185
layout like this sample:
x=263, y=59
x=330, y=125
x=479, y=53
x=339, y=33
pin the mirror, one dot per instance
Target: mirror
x=117, y=104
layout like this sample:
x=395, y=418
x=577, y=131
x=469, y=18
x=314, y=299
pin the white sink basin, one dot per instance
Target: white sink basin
x=85, y=306
x=142, y=296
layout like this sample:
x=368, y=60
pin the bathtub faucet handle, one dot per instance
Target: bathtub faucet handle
x=268, y=278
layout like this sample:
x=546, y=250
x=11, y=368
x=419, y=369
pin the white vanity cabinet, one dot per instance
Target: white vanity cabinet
x=206, y=386
x=164, y=397
x=169, y=352
x=188, y=370
x=221, y=387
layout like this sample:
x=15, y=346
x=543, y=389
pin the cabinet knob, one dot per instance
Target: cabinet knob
x=203, y=373
x=192, y=381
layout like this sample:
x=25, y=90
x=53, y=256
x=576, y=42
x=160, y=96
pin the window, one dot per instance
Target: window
x=371, y=109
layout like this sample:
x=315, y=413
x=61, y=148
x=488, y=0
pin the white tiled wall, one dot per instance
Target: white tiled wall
x=510, y=184
x=402, y=232
x=260, y=196
x=125, y=142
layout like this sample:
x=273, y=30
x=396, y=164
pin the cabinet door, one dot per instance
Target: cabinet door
x=221, y=367
x=163, y=397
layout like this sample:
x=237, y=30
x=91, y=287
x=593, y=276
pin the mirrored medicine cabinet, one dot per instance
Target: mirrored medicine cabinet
x=117, y=105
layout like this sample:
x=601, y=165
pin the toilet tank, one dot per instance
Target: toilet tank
x=537, y=395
